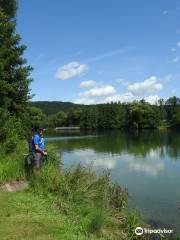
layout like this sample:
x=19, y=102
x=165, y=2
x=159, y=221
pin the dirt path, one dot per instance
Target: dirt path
x=14, y=186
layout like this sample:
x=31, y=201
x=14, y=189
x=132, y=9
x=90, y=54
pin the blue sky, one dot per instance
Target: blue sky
x=89, y=51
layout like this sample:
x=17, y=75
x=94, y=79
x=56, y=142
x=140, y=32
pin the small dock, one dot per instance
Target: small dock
x=67, y=128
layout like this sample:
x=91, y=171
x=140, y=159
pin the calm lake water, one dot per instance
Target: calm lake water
x=147, y=163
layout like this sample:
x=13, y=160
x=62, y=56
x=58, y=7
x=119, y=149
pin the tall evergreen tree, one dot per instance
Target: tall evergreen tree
x=9, y=7
x=14, y=71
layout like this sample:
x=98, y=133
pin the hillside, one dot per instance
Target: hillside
x=53, y=107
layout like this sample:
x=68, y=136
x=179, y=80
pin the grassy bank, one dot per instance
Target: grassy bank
x=94, y=205
x=25, y=215
x=69, y=204
x=12, y=164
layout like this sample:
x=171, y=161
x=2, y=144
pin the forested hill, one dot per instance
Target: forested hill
x=53, y=107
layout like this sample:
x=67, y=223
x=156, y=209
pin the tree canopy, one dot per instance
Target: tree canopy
x=14, y=79
x=9, y=7
x=14, y=72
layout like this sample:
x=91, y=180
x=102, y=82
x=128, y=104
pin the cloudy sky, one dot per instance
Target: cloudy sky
x=93, y=51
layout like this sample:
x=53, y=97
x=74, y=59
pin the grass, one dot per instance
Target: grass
x=95, y=204
x=12, y=165
x=27, y=216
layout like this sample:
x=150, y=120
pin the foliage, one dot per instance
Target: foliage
x=116, y=116
x=14, y=72
x=142, y=115
x=89, y=118
x=111, y=116
x=175, y=119
x=9, y=7
x=73, y=117
x=53, y=107
x=10, y=131
x=35, y=116
x=173, y=101
x=12, y=164
x=90, y=199
x=59, y=119
x=137, y=115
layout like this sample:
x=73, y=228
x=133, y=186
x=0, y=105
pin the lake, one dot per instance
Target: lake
x=147, y=163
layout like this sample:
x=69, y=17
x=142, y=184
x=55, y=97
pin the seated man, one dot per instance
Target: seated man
x=38, y=148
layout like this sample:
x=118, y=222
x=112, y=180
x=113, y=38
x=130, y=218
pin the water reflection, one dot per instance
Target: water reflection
x=139, y=144
x=90, y=157
x=150, y=165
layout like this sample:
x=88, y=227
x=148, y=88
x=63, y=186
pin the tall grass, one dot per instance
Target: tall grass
x=12, y=164
x=93, y=201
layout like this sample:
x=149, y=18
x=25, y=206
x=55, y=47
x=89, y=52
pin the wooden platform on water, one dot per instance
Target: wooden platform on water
x=67, y=128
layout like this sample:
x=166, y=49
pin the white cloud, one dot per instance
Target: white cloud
x=178, y=44
x=98, y=91
x=87, y=84
x=122, y=81
x=129, y=97
x=147, y=86
x=125, y=97
x=70, y=70
x=176, y=60
x=136, y=91
x=152, y=99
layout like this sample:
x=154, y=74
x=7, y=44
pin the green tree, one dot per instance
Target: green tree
x=172, y=104
x=111, y=115
x=57, y=120
x=142, y=115
x=14, y=71
x=89, y=118
x=162, y=110
x=9, y=7
x=73, y=117
x=173, y=101
x=175, y=120
x=10, y=130
x=36, y=117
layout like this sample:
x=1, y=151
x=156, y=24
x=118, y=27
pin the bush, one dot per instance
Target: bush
x=12, y=164
x=10, y=129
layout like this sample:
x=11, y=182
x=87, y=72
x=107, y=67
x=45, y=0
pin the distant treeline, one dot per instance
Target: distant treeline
x=52, y=107
x=136, y=115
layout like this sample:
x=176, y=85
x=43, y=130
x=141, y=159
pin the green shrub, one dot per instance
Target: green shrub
x=97, y=222
x=12, y=164
x=10, y=129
